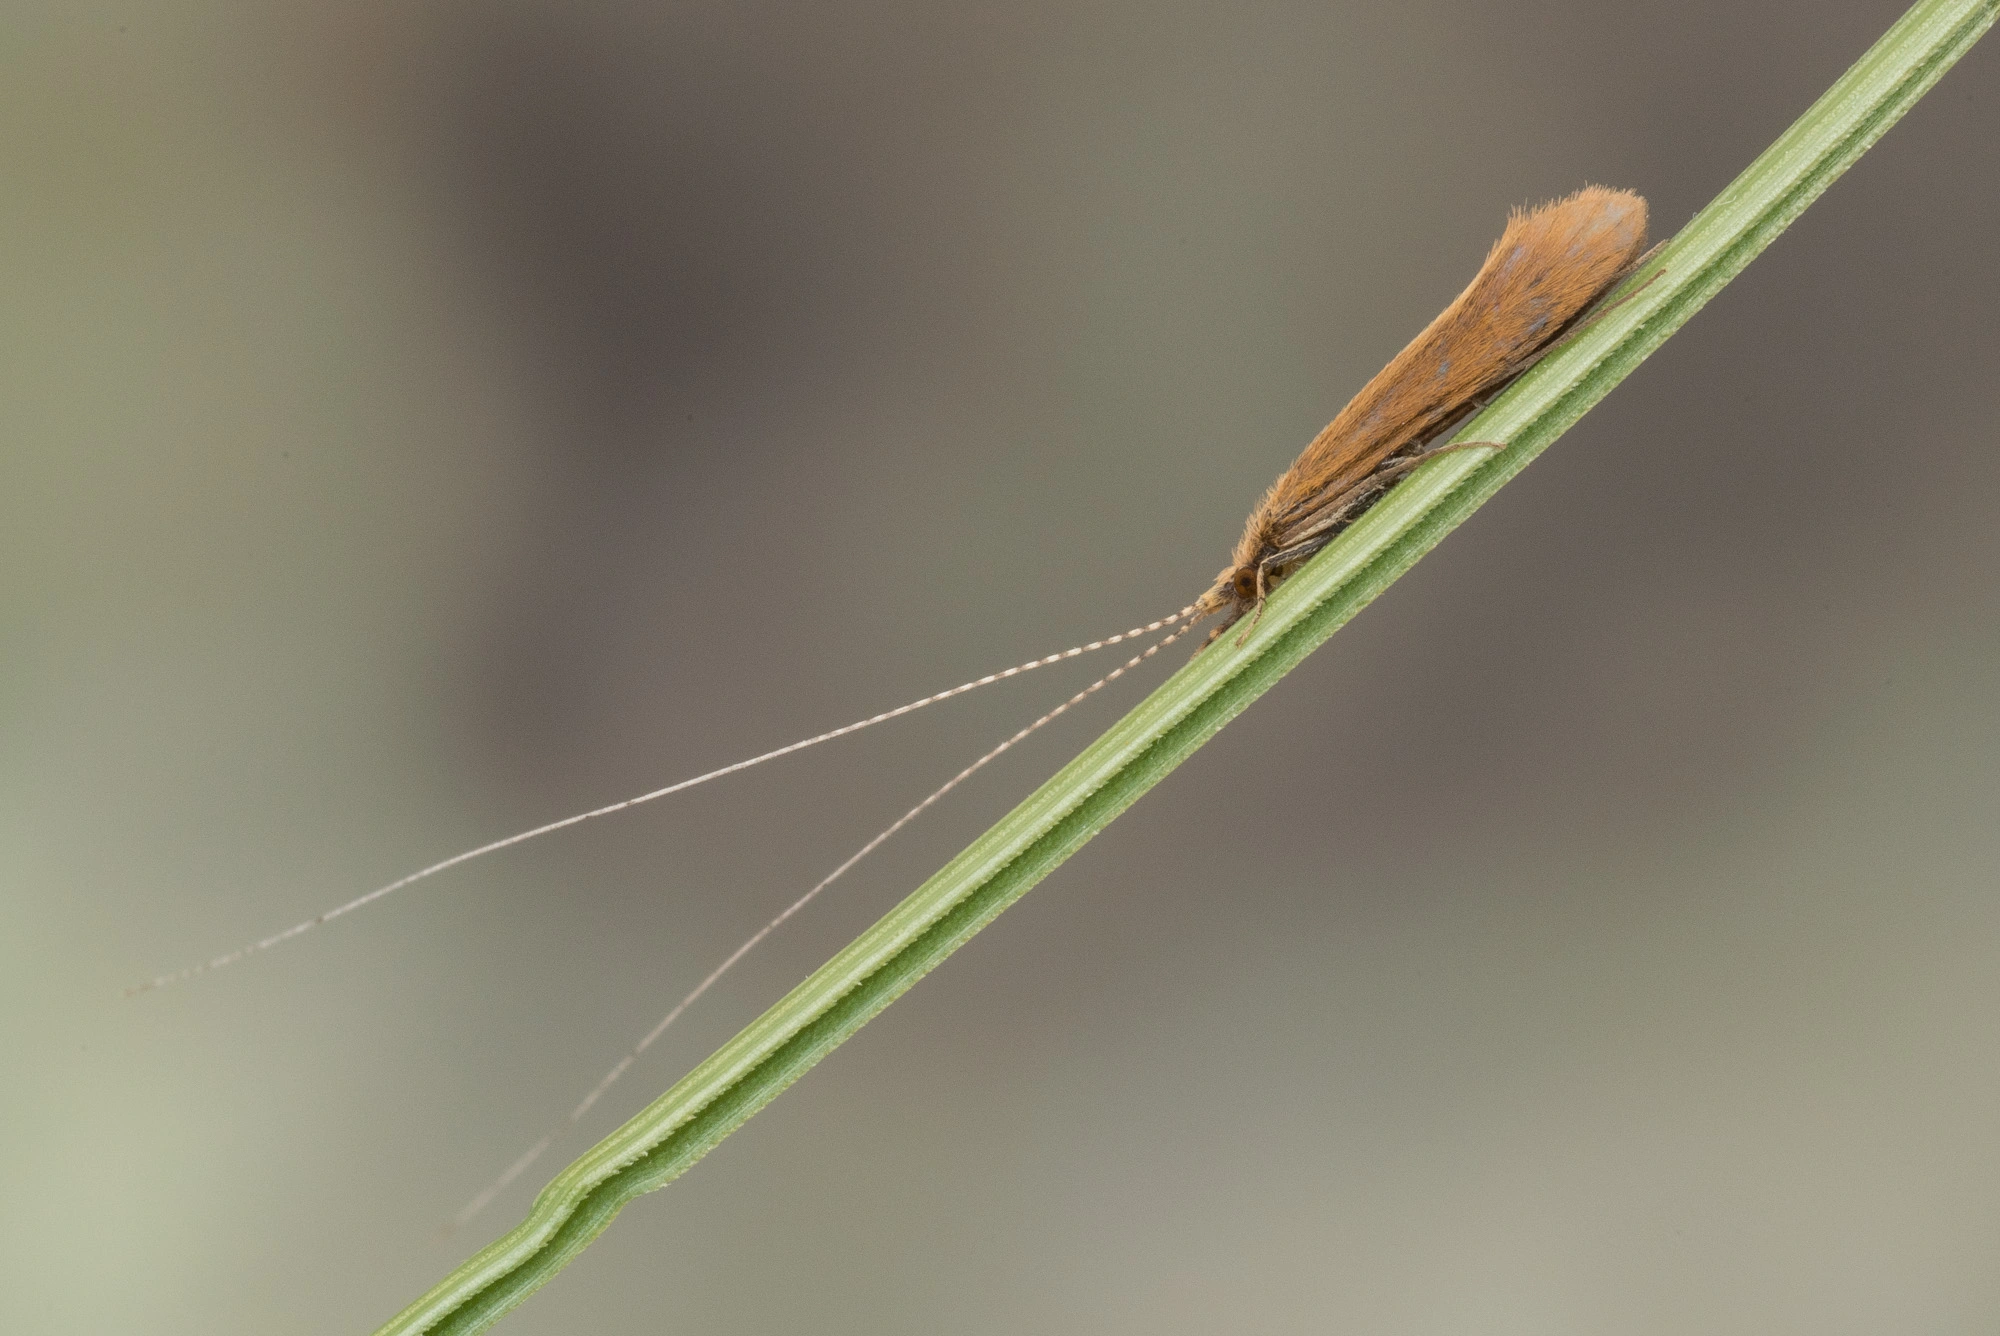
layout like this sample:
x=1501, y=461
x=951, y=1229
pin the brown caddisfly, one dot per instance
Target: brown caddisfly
x=1545, y=273
x=1541, y=280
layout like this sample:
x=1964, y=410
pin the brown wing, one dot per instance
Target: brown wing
x=1549, y=266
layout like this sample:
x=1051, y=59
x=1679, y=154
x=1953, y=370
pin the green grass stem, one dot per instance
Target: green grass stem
x=749, y=1071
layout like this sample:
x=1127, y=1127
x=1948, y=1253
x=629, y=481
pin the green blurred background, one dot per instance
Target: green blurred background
x=426, y=420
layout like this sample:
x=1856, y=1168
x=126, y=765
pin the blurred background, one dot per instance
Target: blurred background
x=423, y=421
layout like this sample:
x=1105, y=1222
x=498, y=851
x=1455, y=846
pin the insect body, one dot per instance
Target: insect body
x=1547, y=270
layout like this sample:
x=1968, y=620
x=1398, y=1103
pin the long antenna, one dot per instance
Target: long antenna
x=266, y=943
x=534, y=1152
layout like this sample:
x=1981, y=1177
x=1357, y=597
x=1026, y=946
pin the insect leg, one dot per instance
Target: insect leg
x=1389, y=472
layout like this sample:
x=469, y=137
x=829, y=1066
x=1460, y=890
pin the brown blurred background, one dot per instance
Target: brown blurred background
x=424, y=421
